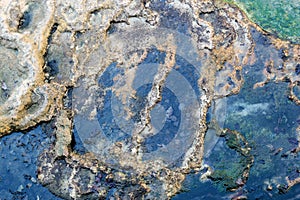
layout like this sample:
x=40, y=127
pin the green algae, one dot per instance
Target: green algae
x=280, y=17
x=232, y=166
x=271, y=133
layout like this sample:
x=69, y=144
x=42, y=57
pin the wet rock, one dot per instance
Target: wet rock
x=297, y=69
x=25, y=20
x=19, y=156
x=237, y=174
x=129, y=84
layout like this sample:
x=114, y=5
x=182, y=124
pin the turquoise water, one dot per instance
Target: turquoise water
x=281, y=17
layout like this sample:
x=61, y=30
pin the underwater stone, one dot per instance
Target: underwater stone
x=113, y=121
x=143, y=76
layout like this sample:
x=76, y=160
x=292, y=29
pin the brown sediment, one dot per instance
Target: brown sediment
x=292, y=95
x=292, y=183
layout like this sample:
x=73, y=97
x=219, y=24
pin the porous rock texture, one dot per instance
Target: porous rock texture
x=64, y=60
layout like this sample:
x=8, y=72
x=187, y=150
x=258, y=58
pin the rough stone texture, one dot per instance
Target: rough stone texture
x=19, y=153
x=25, y=98
x=101, y=68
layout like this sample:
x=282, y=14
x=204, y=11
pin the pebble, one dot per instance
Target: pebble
x=20, y=188
x=33, y=180
x=4, y=86
x=269, y=187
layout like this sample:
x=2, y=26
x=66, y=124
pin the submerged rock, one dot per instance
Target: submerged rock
x=129, y=85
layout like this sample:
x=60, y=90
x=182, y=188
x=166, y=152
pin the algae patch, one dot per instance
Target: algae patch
x=281, y=17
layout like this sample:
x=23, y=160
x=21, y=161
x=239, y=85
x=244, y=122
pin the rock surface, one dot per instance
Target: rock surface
x=130, y=86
